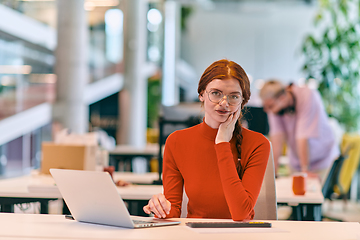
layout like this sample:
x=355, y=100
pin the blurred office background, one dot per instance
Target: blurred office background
x=118, y=65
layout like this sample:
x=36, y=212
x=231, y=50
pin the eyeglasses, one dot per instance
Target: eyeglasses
x=217, y=96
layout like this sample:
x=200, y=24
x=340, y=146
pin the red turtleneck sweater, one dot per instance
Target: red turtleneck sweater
x=208, y=171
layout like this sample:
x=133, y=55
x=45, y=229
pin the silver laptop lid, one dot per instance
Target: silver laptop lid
x=92, y=197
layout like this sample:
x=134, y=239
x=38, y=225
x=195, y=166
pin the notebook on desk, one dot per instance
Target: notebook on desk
x=92, y=197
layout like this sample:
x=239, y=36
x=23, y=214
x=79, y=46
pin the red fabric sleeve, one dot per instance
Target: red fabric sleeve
x=241, y=195
x=173, y=182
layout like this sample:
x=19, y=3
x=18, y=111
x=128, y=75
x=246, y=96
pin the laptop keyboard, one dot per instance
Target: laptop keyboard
x=141, y=222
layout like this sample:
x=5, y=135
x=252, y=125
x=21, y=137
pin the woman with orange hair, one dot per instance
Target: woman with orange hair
x=218, y=163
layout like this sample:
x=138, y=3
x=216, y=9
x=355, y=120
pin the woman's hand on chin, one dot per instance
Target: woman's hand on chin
x=226, y=128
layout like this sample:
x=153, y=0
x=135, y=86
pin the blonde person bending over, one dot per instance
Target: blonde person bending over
x=220, y=164
x=297, y=117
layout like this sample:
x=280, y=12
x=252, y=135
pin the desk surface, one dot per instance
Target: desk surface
x=147, y=178
x=18, y=186
x=149, y=149
x=41, y=185
x=39, y=226
x=284, y=193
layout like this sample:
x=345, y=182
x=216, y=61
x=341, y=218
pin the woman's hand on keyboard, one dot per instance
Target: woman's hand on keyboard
x=158, y=205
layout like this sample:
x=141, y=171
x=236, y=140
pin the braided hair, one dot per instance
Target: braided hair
x=224, y=70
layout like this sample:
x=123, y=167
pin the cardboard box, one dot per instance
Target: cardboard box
x=78, y=157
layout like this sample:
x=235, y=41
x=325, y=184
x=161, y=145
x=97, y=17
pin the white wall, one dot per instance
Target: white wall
x=264, y=38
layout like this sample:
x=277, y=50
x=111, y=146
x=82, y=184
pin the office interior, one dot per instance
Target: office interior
x=118, y=66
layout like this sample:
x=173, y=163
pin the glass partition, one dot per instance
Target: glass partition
x=26, y=75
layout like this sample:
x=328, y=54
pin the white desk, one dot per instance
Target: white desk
x=312, y=200
x=39, y=226
x=38, y=185
x=147, y=178
x=45, y=186
x=284, y=193
x=305, y=207
x=151, y=149
x=15, y=191
x=41, y=188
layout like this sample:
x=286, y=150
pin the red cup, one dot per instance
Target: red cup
x=298, y=186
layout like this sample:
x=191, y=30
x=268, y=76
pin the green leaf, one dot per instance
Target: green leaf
x=318, y=18
x=336, y=55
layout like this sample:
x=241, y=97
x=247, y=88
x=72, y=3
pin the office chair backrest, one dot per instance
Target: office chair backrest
x=352, y=145
x=179, y=124
x=332, y=177
x=184, y=203
x=266, y=205
x=256, y=119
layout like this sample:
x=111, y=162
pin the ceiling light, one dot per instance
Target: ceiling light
x=154, y=16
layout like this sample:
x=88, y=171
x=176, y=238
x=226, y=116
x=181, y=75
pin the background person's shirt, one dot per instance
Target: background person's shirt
x=309, y=121
x=208, y=171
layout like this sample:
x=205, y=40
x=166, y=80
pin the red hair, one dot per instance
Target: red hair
x=225, y=70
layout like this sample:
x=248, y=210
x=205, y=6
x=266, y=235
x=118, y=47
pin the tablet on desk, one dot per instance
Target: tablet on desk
x=229, y=224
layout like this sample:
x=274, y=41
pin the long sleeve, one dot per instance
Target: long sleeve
x=173, y=183
x=241, y=195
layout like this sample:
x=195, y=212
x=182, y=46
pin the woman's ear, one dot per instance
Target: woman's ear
x=201, y=98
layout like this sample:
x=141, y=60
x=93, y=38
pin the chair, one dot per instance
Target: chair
x=256, y=119
x=338, y=181
x=330, y=182
x=164, y=133
x=332, y=178
x=343, y=169
x=266, y=205
x=352, y=145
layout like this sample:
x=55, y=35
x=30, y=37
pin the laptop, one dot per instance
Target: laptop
x=92, y=197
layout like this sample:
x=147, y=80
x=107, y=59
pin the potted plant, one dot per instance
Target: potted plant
x=332, y=58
